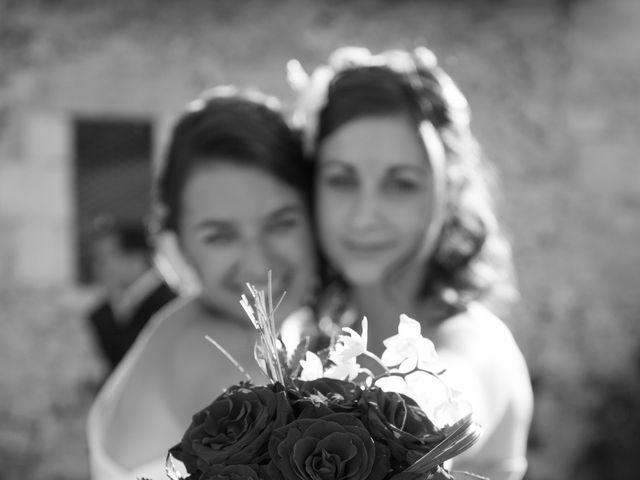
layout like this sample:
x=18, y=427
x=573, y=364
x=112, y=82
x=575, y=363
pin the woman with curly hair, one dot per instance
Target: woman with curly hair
x=406, y=224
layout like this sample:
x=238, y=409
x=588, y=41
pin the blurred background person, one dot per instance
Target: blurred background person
x=133, y=289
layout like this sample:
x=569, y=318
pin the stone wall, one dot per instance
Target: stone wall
x=36, y=205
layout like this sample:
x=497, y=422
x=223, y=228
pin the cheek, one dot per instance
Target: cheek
x=209, y=264
x=329, y=216
x=296, y=248
x=411, y=223
x=328, y=238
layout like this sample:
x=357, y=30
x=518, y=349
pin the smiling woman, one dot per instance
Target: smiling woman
x=406, y=223
x=373, y=198
x=227, y=150
x=230, y=238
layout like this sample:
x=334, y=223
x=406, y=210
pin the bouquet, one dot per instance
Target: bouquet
x=340, y=414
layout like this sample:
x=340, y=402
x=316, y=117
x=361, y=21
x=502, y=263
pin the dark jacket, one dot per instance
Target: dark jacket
x=116, y=335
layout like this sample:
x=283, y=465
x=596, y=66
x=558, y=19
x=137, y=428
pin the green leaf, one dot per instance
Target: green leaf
x=298, y=354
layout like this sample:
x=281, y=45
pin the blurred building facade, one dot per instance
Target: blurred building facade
x=52, y=188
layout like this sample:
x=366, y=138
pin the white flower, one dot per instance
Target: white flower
x=428, y=390
x=392, y=384
x=347, y=370
x=449, y=412
x=311, y=367
x=409, y=349
x=349, y=347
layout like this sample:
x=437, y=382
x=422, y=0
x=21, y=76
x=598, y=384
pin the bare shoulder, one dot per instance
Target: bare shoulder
x=486, y=342
x=195, y=365
x=175, y=315
x=483, y=345
x=177, y=325
x=147, y=362
x=476, y=329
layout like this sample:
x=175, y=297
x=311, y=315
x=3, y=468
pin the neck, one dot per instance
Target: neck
x=212, y=312
x=382, y=306
x=383, y=303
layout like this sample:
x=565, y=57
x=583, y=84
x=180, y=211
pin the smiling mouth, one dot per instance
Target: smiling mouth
x=366, y=247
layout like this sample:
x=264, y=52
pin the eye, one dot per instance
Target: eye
x=339, y=180
x=402, y=184
x=283, y=223
x=223, y=237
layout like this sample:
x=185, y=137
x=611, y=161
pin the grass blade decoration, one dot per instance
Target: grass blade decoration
x=262, y=314
x=229, y=357
x=458, y=438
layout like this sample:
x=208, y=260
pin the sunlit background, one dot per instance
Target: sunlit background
x=88, y=88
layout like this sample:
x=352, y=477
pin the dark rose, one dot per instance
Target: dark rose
x=399, y=423
x=235, y=428
x=333, y=447
x=325, y=396
x=233, y=472
x=339, y=392
x=310, y=407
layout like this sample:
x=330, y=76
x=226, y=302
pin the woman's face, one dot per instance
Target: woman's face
x=236, y=223
x=373, y=191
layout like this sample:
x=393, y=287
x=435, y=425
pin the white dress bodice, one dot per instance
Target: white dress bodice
x=102, y=466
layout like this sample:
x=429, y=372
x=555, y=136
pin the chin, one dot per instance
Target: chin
x=362, y=276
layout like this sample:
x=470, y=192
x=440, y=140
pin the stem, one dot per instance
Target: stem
x=230, y=357
x=436, y=375
x=373, y=356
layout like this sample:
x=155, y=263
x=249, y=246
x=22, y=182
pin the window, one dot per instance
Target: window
x=112, y=175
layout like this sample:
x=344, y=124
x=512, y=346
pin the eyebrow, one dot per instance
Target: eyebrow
x=286, y=210
x=225, y=223
x=211, y=223
x=420, y=169
x=334, y=162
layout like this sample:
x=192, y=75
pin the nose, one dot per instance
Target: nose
x=365, y=212
x=255, y=262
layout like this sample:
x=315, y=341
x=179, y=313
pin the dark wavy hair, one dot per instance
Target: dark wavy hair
x=240, y=127
x=472, y=258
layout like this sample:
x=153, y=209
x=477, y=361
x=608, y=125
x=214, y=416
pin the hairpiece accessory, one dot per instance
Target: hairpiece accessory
x=228, y=91
x=312, y=97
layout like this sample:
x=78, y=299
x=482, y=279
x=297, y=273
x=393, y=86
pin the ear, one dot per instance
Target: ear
x=174, y=264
